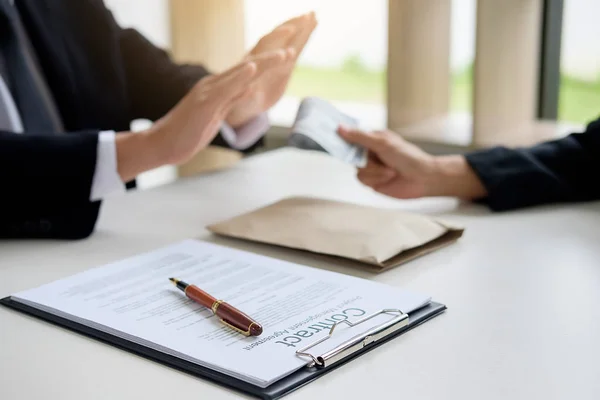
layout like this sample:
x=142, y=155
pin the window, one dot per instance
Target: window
x=344, y=62
x=347, y=58
x=462, y=55
x=462, y=72
x=431, y=64
x=147, y=16
x=579, y=98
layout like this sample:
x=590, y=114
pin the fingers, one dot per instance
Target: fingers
x=293, y=32
x=400, y=190
x=291, y=54
x=373, y=141
x=295, y=21
x=376, y=176
x=234, y=83
x=276, y=39
x=264, y=63
x=391, y=190
x=248, y=71
x=231, y=72
x=271, y=60
x=388, y=182
x=307, y=24
x=373, y=159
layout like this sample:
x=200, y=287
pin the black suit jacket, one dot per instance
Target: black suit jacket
x=564, y=170
x=101, y=77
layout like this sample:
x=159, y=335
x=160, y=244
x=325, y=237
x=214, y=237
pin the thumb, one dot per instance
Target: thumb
x=369, y=140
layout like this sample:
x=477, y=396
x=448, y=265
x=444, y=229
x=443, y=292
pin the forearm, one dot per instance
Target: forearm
x=506, y=179
x=138, y=152
x=453, y=176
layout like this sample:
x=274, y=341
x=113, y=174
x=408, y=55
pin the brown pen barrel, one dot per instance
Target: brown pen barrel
x=200, y=296
x=238, y=319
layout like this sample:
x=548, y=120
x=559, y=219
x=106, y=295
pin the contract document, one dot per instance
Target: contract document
x=133, y=299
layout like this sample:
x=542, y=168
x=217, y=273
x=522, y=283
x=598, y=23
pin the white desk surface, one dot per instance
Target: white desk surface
x=522, y=290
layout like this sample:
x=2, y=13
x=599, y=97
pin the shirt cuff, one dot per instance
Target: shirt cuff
x=246, y=135
x=106, y=176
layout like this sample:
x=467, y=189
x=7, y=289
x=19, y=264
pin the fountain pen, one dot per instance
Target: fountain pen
x=229, y=315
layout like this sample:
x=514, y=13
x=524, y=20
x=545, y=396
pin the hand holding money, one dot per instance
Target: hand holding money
x=400, y=169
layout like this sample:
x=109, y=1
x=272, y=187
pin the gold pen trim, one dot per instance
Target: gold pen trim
x=214, y=308
x=216, y=305
x=238, y=330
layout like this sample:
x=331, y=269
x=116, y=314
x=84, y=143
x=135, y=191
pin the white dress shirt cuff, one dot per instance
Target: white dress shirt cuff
x=106, y=180
x=246, y=135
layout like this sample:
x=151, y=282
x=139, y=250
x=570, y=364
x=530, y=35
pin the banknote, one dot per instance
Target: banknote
x=316, y=127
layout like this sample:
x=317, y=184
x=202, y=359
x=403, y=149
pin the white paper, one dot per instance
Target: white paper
x=296, y=305
x=316, y=128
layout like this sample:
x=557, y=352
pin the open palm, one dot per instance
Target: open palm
x=289, y=39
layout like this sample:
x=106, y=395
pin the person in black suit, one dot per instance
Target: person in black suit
x=72, y=80
x=505, y=179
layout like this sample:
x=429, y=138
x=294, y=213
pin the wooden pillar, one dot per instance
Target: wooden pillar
x=506, y=69
x=418, y=61
x=211, y=33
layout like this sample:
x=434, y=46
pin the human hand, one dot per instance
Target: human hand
x=193, y=123
x=289, y=38
x=400, y=169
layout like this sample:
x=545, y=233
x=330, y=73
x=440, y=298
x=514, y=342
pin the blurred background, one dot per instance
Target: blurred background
x=450, y=75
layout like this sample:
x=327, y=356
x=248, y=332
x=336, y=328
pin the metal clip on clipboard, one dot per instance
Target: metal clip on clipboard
x=357, y=342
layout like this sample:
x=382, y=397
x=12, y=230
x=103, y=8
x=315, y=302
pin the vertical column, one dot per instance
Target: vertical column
x=506, y=69
x=210, y=32
x=551, y=44
x=418, y=61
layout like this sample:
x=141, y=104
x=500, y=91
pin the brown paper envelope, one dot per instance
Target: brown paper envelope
x=380, y=237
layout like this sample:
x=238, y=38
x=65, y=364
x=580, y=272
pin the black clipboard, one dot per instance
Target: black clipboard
x=275, y=391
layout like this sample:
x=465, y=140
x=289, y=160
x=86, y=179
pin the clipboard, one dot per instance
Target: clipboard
x=317, y=364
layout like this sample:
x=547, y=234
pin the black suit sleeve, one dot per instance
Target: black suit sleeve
x=563, y=170
x=46, y=183
x=155, y=83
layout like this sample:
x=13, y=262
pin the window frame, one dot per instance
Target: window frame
x=551, y=50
